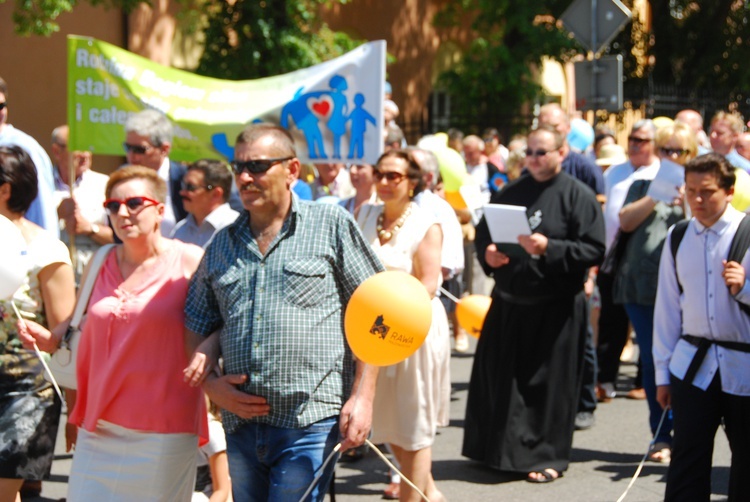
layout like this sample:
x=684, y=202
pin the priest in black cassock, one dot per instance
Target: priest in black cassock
x=525, y=381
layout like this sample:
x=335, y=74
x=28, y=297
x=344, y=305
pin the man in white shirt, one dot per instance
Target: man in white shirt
x=205, y=191
x=452, y=258
x=82, y=215
x=702, y=337
x=643, y=164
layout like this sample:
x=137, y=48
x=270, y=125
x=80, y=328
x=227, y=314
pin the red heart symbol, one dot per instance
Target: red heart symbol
x=321, y=107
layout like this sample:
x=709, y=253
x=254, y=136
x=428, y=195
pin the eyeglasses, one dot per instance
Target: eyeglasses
x=256, y=166
x=3, y=105
x=669, y=152
x=636, y=139
x=134, y=204
x=137, y=149
x=189, y=187
x=391, y=176
x=537, y=153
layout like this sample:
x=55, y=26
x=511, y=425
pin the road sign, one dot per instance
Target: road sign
x=611, y=17
x=605, y=93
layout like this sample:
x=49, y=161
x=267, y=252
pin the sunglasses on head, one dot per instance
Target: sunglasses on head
x=391, y=176
x=137, y=149
x=3, y=104
x=189, y=187
x=134, y=204
x=256, y=166
x=537, y=153
x=673, y=151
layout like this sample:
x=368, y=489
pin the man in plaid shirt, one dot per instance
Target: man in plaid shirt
x=276, y=283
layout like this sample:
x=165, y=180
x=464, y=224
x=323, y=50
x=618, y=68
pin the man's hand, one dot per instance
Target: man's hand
x=534, y=244
x=355, y=422
x=664, y=396
x=734, y=276
x=204, y=360
x=495, y=258
x=223, y=392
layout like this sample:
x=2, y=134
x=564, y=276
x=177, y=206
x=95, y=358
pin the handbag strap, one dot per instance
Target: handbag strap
x=88, y=285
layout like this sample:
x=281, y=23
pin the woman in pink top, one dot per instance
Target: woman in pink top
x=139, y=422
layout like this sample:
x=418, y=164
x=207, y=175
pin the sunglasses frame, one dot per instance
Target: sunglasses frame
x=539, y=152
x=3, y=104
x=241, y=166
x=671, y=151
x=137, y=149
x=390, y=176
x=189, y=187
x=132, y=210
x=640, y=141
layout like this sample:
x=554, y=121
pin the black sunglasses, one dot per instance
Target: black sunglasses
x=537, y=153
x=391, y=176
x=137, y=149
x=256, y=166
x=134, y=204
x=189, y=187
x=3, y=105
x=673, y=151
x=635, y=139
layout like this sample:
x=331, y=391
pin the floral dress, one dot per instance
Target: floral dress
x=29, y=408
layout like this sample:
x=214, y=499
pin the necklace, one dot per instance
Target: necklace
x=386, y=235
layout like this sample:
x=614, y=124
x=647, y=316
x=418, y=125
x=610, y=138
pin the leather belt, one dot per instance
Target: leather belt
x=524, y=300
x=703, y=345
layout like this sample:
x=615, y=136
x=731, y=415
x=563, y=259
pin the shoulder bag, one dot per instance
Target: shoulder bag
x=62, y=364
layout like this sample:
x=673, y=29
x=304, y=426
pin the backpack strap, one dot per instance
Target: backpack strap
x=738, y=248
x=678, y=232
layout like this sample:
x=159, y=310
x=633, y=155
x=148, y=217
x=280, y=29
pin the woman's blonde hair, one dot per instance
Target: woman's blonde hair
x=132, y=172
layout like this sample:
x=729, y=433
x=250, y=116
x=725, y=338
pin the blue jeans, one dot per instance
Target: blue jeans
x=642, y=318
x=272, y=464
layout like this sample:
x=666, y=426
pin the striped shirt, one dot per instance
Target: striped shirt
x=282, y=313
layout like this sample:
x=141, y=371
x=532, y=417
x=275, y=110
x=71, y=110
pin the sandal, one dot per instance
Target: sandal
x=660, y=453
x=547, y=476
x=392, y=492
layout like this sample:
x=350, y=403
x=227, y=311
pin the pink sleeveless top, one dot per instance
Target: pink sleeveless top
x=131, y=354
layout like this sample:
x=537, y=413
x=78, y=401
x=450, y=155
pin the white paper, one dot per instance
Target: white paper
x=665, y=186
x=506, y=223
x=474, y=200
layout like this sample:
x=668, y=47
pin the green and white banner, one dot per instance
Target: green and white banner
x=334, y=109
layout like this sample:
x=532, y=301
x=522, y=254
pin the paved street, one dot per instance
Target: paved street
x=604, y=460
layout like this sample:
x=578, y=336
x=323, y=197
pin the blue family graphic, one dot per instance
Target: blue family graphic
x=332, y=107
x=309, y=111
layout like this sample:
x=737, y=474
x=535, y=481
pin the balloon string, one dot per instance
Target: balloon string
x=39, y=353
x=390, y=464
x=320, y=472
x=449, y=295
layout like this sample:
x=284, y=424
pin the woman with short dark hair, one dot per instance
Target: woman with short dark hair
x=29, y=408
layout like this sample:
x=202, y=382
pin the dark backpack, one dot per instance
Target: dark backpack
x=737, y=250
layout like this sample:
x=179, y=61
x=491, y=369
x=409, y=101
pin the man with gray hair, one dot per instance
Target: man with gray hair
x=643, y=164
x=452, y=258
x=148, y=141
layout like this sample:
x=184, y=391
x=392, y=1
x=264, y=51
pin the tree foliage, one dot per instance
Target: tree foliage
x=496, y=73
x=693, y=43
x=256, y=39
x=32, y=17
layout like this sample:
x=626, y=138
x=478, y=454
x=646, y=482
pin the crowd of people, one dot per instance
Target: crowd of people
x=213, y=361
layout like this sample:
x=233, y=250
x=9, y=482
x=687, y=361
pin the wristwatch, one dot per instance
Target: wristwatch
x=94, y=229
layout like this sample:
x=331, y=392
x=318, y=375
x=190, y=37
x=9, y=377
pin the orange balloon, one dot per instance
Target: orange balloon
x=455, y=200
x=387, y=318
x=471, y=311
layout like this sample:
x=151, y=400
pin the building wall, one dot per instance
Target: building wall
x=35, y=69
x=420, y=49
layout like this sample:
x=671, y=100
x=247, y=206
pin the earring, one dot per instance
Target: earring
x=411, y=193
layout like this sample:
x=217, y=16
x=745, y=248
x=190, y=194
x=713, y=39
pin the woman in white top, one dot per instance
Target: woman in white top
x=412, y=397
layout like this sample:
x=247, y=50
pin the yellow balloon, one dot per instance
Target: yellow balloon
x=471, y=311
x=452, y=168
x=456, y=200
x=387, y=318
